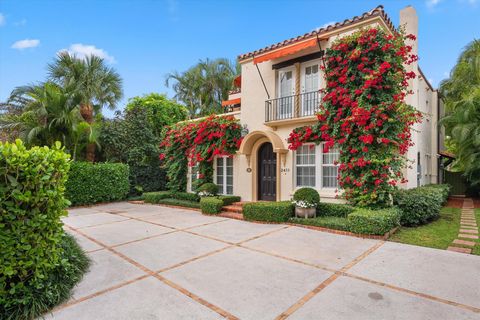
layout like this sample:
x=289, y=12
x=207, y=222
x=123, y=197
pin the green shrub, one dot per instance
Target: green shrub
x=154, y=197
x=334, y=209
x=228, y=200
x=307, y=197
x=211, y=205
x=337, y=223
x=32, y=185
x=268, y=211
x=185, y=196
x=180, y=203
x=208, y=189
x=377, y=222
x=90, y=183
x=420, y=205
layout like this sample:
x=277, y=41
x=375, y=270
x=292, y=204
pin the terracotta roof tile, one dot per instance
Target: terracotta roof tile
x=378, y=11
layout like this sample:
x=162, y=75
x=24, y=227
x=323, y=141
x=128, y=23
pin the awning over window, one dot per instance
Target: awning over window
x=286, y=51
x=237, y=81
x=231, y=102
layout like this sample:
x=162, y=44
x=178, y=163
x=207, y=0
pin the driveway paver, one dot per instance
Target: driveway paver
x=210, y=267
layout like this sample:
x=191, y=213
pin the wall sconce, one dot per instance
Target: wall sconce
x=244, y=130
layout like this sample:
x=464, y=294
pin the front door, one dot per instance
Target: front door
x=310, y=86
x=286, y=91
x=267, y=173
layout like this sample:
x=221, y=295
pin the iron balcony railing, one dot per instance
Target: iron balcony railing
x=290, y=107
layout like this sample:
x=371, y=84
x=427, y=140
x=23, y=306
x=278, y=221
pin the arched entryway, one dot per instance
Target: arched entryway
x=267, y=173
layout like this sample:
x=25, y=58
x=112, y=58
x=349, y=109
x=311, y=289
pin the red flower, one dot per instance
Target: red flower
x=367, y=139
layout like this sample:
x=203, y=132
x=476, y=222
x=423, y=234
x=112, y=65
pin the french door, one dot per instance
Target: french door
x=286, y=92
x=310, y=84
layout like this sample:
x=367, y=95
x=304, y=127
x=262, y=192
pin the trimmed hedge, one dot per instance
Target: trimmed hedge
x=268, y=211
x=331, y=222
x=334, y=209
x=187, y=196
x=32, y=184
x=211, y=205
x=90, y=183
x=420, y=205
x=180, y=203
x=154, y=197
x=377, y=222
x=228, y=200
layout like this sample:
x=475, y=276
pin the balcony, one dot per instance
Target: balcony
x=292, y=109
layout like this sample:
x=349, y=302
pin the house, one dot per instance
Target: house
x=279, y=90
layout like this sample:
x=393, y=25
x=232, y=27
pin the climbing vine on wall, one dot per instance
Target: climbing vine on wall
x=364, y=115
x=198, y=142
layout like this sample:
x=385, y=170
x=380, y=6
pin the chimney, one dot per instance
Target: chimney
x=409, y=23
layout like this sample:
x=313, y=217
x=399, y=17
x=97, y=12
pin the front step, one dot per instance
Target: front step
x=236, y=207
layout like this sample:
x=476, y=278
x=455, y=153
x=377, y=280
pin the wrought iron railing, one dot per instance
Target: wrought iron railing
x=290, y=107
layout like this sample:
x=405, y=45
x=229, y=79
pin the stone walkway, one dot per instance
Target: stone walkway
x=468, y=233
x=153, y=262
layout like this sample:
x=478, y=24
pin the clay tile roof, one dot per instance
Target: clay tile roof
x=378, y=11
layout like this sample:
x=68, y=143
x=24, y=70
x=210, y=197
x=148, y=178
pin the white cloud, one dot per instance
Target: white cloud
x=2, y=19
x=20, y=23
x=24, y=44
x=432, y=3
x=83, y=50
x=326, y=25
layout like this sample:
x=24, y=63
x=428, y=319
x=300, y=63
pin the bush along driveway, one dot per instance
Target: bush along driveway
x=153, y=262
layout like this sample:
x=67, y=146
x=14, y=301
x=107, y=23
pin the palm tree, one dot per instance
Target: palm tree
x=96, y=84
x=203, y=87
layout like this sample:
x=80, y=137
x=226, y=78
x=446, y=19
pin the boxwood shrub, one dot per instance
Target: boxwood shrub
x=268, y=211
x=376, y=222
x=334, y=209
x=331, y=222
x=155, y=197
x=180, y=203
x=32, y=184
x=90, y=183
x=420, y=205
x=228, y=200
x=185, y=196
x=211, y=205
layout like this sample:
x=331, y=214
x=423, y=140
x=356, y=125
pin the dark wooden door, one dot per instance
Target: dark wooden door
x=267, y=173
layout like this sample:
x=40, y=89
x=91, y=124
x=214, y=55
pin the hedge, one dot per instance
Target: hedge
x=155, y=197
x=187, y=196
x=268, y=211
x=331, y=222
x=90, y=183
x=32, y=184
x=211, y=205
x=228, y=200
x=334, y=209
x=420, y=205
x=377, y=222
x=180, y=203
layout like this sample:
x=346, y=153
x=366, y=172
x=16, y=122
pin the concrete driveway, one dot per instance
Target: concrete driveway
x=153, y=262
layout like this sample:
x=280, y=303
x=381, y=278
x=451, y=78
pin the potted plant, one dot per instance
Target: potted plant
x=208, y=189
x=306, y=201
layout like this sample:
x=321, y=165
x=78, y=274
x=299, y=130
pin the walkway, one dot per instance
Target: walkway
x=153, y=262
x=468, y=233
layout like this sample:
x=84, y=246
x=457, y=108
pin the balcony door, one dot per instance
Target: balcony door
x=286, y=92
x=310, y=85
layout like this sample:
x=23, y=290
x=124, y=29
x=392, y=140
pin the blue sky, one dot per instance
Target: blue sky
x=145, y=39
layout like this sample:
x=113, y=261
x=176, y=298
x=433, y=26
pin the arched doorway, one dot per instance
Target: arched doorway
x=267, y=173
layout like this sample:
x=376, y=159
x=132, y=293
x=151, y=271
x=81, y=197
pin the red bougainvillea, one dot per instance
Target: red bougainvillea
x=364, y=115
x=198, y=142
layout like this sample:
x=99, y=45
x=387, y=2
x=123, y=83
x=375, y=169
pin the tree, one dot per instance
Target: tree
x=160, y=110
x=203, y=87
x=96, y=84
x=461, y=92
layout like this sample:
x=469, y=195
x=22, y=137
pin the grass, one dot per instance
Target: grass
x=331, y=222
x=436, y=234
x=476, y=249
x=57, y=287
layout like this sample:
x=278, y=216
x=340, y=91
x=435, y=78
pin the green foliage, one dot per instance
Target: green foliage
x=131, y=139
x=187, y=196
x=376, y=222
x=161, y=111
x=334, y=209
x=211, y=205
x=420, y=205
x=309, y=196
x=208, y=189
x=330, y=222
x=268, y=211
x=90, y=183
x=180, y=203
x=154, y=197
x=228, y=200
x=32, y=185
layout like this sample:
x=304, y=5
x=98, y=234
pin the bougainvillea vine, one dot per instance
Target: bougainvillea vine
x=198, y=142
x=364, y=115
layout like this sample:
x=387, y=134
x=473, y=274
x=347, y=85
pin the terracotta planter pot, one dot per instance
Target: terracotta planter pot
x=305, y=212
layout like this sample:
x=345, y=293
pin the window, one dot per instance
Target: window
x=329, y=168
x=224, y=175
x=193, y=177
x=305, y=166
